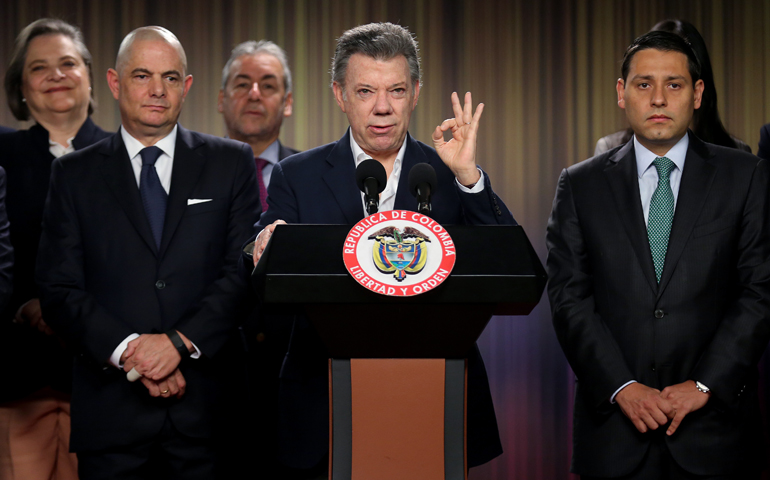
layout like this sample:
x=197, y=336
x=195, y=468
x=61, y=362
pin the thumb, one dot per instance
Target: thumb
x=438, y=136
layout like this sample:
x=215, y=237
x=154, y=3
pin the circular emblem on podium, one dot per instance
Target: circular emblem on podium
x=399, y=253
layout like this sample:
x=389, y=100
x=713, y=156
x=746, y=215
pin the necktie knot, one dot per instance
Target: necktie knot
x=664, y=166
x=261, y=163
x=150, y=155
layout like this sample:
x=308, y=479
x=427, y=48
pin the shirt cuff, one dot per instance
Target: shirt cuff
x=115, y=357
x=197, y=353
x=612, y=398
x=479, y=187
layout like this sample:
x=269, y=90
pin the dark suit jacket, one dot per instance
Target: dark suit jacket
x=764, y=142
x=102, y=278
x=6, y=250
x=318, y=186
x=31, y=360
x=707, y=321
x=284, y=151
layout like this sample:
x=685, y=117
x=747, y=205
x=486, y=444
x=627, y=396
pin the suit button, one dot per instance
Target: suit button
x=160, y=284
x=659, y=314
x=652, y=367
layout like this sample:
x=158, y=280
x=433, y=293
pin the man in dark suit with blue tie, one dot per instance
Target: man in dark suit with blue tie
x=659, y=282
x=376, y=83
x=138, y=272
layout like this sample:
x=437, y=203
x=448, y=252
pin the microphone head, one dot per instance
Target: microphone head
x=422, y=173
x=371, y=169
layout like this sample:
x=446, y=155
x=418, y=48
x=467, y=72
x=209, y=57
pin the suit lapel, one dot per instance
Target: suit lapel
x=119, y=175
x=187, y=168
x=341, y=180
x=697, y=178
x=622, y=176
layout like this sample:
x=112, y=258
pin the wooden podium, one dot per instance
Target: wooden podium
x=397, y=373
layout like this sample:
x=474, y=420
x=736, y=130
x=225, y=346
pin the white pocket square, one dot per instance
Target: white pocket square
x=193, y=201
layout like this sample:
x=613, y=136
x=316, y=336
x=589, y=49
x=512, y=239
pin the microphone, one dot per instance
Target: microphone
x=422, y=184
x=371, y=179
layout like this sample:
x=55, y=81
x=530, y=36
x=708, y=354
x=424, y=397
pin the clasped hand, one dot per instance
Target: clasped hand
x=157, y=360
x=649, y=408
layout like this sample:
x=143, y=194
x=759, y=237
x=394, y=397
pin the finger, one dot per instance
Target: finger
x=165, y=390
x=438, y=134
x=477, y=118
x=457, y=108
x=173, y=388
x=257, y=254
x=181, y=382
x=649, y=421
x=640, y=425
x=659, y=417
x=468, y=108
x=151, y=386
x=676, y=422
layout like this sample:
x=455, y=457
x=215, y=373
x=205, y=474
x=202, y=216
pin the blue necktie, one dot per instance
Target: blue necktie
x=153, y=196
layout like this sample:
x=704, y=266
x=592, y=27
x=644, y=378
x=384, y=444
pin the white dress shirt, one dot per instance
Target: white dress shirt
x=648, y=182
x=163, y=166
x=57, y=149
x=388, y=196
x=271, y=155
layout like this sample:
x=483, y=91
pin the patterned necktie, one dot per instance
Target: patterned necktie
x=661, y=214
x=261, y=163
x=153, y=196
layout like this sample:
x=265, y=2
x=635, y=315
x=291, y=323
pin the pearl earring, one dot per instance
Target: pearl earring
x=24, y=100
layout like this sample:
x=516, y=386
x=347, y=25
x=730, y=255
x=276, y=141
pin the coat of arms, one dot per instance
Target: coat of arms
x=399, y=252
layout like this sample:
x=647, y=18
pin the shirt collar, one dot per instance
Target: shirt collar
x=133, y=146
x=359, y=155
x=676, y=154
x=271, y=153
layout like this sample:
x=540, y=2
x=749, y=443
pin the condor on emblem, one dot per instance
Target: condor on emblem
x=399, y=253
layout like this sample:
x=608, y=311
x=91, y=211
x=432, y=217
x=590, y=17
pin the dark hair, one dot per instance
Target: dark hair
x=14, y=74
x=381, y=41
x=664, y=41
x=706, y=122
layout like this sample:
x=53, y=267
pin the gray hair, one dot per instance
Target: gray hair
x=149, y=33
x=252, y=47
x=381, y=41
x=15, y=73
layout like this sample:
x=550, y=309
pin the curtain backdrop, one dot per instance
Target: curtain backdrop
x=546, y=71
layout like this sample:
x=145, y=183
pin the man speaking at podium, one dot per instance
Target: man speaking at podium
x=376, y=82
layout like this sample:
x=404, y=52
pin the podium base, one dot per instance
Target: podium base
x=397, y=418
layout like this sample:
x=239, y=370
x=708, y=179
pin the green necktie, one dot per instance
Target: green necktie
x=661, y=214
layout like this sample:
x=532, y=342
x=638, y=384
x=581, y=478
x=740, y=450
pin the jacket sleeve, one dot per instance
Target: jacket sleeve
x=484, y=207
x=591, y=350
x=68, y=308
x=208, y=322
x=744, y=332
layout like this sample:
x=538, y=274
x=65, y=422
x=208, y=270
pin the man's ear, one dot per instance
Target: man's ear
x=416, y=94
x=220, y=101
x=288, y=103
x=113, y=81
x=621, y=88
x=698, y=91
x=187, y=84
x=339, y=95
